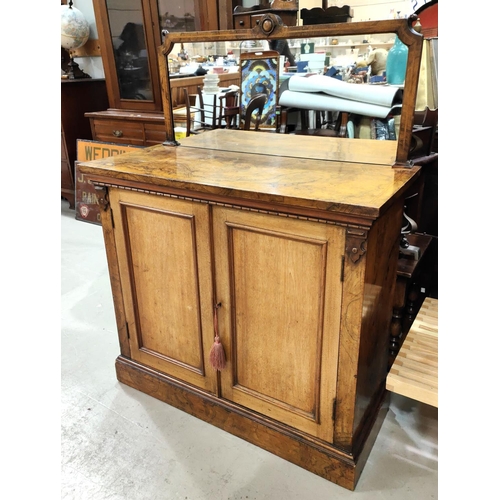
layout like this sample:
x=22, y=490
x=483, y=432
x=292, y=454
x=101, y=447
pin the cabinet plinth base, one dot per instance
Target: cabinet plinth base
x=315, y=456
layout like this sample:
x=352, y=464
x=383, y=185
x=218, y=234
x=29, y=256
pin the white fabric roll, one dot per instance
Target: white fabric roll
x=324, y=102
x=373, y=94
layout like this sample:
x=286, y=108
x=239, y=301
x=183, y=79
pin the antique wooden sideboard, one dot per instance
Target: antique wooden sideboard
x=283, y=252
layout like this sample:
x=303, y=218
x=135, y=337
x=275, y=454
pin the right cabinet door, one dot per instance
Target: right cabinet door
x=278, y=280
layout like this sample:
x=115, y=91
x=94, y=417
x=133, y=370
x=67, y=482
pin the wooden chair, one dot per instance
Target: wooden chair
x=229, y=108
x=425, y=125
x=257, y=102
x=190, y=103
x=336, y=128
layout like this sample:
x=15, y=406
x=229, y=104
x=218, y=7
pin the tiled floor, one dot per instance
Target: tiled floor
x=118, y=443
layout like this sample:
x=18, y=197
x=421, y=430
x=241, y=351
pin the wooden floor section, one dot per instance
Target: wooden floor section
x=415, y=371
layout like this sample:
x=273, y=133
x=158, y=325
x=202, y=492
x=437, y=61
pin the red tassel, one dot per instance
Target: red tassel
x=217, y=355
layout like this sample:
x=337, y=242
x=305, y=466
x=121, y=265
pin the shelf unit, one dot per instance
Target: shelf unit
x=387, y=45
x=202, y=49
x=342, y=45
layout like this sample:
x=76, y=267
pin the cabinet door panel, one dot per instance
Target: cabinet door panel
x=279, y=284
x=163, y=250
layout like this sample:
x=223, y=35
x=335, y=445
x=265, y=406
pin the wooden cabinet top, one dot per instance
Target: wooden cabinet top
x=349, y=177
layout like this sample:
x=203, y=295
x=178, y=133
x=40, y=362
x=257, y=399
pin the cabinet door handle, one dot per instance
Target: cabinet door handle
x=117, y=133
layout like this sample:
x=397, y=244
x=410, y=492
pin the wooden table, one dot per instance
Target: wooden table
x=415, y=371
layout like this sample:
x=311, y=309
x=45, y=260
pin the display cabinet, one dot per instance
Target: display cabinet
x=280, y=250
x=130, y=32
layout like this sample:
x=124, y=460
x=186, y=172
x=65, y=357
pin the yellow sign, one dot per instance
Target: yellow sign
x=87, y=206
x=94, y=150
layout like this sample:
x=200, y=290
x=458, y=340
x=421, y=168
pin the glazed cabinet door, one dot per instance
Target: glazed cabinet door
x=279, y=284
x=130, y=32
x=163, y=250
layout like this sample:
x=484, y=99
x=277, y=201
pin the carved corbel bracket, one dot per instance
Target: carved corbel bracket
x=355, y=243
x=102, y=196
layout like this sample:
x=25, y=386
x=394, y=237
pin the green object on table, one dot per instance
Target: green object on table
x=397, y=59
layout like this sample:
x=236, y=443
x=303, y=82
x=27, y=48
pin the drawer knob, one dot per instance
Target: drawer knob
x=117, y=133
x=242, y=23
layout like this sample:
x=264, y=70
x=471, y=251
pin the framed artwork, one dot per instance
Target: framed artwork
x=260, y=74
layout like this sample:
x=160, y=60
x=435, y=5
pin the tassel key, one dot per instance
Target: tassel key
x=217, y=355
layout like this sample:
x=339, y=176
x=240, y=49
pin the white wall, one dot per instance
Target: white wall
x=377, y=10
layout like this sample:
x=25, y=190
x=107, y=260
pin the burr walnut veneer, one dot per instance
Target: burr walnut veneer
x=297, y=245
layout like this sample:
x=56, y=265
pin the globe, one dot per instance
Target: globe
x=75, y=29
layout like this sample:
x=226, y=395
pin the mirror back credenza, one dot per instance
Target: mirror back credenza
x=253, y=272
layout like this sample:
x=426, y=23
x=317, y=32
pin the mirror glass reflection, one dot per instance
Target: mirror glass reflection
x=321, y=86
x=129, y=41
x=129, y=46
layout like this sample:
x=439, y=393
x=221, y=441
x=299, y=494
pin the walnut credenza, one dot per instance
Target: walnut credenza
x=289, y=254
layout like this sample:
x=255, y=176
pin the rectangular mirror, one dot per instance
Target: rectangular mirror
x=326, y=74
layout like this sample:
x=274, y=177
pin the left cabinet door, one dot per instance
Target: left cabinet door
x=163, y=250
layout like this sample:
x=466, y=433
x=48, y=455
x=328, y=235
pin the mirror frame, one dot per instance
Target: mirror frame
x=271, y=27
